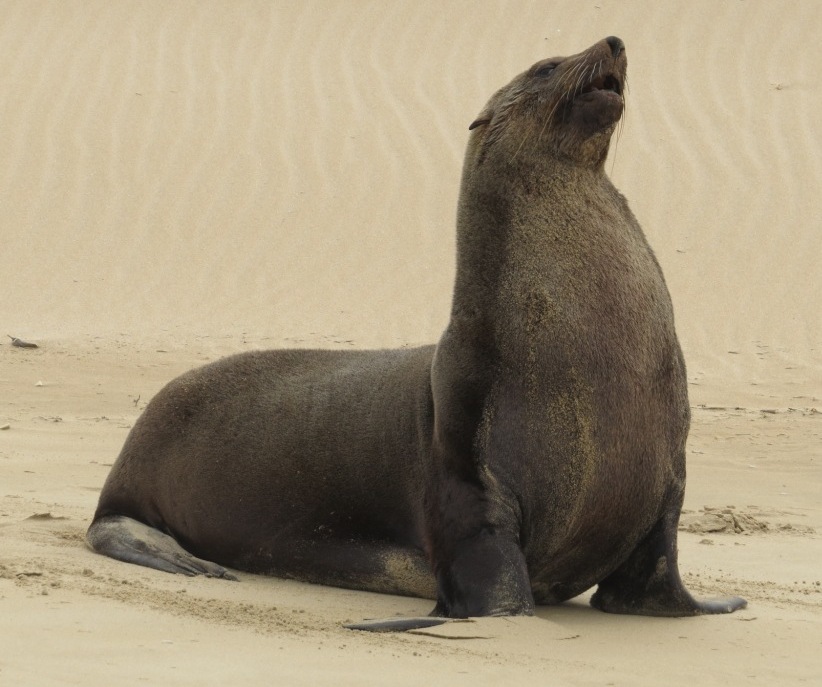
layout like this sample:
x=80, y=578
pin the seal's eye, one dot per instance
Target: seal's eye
x=545, y=70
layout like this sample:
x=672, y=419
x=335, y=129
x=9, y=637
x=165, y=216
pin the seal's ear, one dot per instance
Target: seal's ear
x=483, y=117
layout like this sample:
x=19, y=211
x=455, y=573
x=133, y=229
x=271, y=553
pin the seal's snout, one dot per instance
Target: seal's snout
x=617, y=46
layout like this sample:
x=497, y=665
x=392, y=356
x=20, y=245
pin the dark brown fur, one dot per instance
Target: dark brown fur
x=537, y=451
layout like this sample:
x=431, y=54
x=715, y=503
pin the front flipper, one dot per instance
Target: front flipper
x=648, y=583
x=397, y=624
x=132, y=541
x=486, y=576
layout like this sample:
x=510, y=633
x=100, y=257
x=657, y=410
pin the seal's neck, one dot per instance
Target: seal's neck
x=514, y=224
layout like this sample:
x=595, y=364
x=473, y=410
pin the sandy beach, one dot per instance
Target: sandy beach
x=182, y=181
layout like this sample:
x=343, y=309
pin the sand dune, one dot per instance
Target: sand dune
x=228, y=167
x=199, y=178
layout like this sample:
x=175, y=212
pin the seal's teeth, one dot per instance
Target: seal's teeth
x=597, y=84
x=611, y=83
x=602, y=83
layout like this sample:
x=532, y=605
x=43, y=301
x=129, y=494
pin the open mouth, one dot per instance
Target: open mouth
x=608, y=82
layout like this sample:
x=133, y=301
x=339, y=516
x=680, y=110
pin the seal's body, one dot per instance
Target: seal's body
x=537, y=451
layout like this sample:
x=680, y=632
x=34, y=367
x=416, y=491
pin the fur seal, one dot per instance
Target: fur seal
x=536, y=451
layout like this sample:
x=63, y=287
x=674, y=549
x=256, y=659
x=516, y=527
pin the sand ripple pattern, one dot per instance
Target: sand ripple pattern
x=287, y=169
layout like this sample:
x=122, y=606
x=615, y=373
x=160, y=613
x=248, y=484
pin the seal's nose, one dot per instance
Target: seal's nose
x=617, y=46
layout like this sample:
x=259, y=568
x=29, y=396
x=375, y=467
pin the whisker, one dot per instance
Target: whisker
x=519, y=147
x=580, y=75
x=546, y=122
x=620, y=126
x=580, y=81
x=572, y=74
x=565, y=85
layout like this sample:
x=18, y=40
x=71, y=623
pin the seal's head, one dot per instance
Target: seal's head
x=564, y=107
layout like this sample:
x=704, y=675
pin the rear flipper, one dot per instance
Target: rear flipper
x=135, y=542
x=648, y=583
